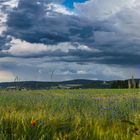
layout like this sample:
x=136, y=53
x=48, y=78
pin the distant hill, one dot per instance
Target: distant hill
x=72, y=84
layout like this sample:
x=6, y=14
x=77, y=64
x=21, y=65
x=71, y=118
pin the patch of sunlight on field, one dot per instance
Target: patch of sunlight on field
x=70, y=115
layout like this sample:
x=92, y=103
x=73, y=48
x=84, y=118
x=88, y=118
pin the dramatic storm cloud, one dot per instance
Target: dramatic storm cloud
x=92, y=39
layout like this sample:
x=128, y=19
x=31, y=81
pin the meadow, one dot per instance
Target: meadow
x=91, y=114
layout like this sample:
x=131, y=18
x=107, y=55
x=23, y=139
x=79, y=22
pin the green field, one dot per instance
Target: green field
x=109, y=114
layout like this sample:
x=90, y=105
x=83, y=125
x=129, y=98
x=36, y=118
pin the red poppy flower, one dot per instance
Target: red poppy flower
x=33, y=122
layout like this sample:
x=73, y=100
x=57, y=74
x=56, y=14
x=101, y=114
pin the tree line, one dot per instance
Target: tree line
x=130, y=83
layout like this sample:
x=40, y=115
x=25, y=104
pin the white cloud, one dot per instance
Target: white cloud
x=81, y=72
x=23, y=48
x=103, y=9
x=59, y=9
x=5, y=7
x=10, y=3
x=118, y=22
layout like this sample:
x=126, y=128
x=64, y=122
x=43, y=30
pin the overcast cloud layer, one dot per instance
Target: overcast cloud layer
x=94, y=39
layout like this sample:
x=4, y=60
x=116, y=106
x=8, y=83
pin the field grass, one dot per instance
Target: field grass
x=108, y=114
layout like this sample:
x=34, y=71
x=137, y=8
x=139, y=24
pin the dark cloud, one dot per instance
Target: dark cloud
x=36, y=23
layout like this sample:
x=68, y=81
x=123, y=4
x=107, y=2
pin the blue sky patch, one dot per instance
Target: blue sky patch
x=69, y=3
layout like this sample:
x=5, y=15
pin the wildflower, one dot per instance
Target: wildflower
x=33, y=122
x=104, y=108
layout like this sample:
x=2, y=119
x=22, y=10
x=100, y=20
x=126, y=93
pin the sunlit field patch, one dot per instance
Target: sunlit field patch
x=70, y=114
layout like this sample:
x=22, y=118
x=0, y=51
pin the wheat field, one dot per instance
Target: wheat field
x=92, y=114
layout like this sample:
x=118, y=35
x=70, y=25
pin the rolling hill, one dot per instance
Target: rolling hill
x=71, y=84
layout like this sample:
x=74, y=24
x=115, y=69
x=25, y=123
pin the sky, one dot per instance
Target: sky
x=73, y=39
